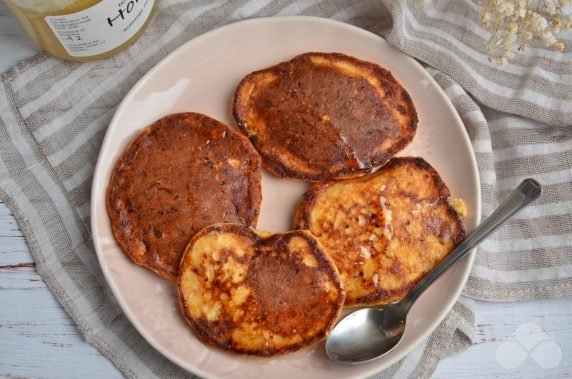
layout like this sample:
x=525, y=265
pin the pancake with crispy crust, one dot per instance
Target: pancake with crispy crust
x=180, y=174
x=324, y=115
x=258, y=293
x=385, y=231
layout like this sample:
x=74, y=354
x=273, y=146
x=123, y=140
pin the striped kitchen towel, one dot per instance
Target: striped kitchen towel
x=53, y=116
x=519, y=118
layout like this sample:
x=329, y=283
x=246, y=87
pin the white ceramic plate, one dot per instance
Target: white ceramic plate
x=201, y=76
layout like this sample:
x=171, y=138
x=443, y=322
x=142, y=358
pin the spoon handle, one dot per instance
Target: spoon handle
x=523, y=195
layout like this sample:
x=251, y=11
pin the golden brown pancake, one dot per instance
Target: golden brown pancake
x=323, y=116
x=258, y=293
x=384, y=231
x=180, y=174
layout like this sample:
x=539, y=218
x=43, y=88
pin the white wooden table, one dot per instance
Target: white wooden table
x=38, y=339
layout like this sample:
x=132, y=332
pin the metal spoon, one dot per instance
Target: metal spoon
x=370, y=333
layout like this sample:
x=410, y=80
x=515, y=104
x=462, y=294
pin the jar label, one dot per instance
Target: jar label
x=100, y=28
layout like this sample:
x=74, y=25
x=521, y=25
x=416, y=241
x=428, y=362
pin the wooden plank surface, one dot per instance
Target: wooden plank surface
x=38, y=339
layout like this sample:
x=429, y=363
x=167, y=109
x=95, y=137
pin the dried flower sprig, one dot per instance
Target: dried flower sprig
x=515, y=23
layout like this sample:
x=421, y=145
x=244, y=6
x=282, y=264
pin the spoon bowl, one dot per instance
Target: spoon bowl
x=364, y=336
x=370, y=333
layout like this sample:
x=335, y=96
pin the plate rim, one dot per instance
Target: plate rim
x=383, y=364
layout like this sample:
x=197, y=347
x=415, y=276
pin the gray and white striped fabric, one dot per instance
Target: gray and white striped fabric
x=53, y=116
x=519, y=118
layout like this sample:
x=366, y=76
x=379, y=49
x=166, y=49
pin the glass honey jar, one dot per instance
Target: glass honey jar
x=83, y=30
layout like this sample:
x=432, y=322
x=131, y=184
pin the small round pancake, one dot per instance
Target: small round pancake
x=258, y=293
x=180, y=174
x=384, y=231
x=324, y=116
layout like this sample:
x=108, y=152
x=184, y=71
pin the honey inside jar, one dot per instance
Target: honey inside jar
x=83, y=30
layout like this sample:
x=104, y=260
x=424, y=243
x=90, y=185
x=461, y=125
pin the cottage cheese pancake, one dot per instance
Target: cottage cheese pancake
x=324, y=116
x=384, y=231
x=258, y=293
x=180, y=174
